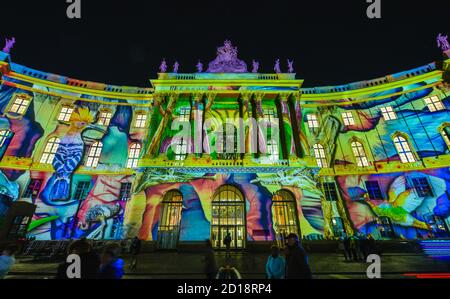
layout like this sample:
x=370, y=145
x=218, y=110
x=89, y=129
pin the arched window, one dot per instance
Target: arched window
x=104, y=117
x=50, y=150
x=319, y=153
x=170, y=220
x=133, y=155
x=94, y=154
x=360, y=154
x=4, y=135
x=403, y=149
x=284, y=215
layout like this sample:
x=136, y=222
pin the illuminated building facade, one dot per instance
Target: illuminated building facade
x=227, y=150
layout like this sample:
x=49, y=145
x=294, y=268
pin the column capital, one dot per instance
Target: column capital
x=284, y=96
x=211, y=96
x=197, y=97
x=259, y=96
x=297, y=96
x=246, y=96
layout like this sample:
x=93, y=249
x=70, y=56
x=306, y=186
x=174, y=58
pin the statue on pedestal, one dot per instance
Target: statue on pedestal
x=277, y=68
x=227, y=60
x=255, y=65
x=199, y=67
x=442, y=42
x=290, y=66
x=176, y=66
x=163, y=66
x=9, y=43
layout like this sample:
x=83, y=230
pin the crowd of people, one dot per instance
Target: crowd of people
x=358, y=248
x=293, y=265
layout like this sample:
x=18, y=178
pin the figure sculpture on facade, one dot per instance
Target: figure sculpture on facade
x=442, y=42
x=163, y=66
x=199, y=67
x=255, y=66
x=227, y=60
x=290, y=66
x=277, y=68
x=9, y=43
x=176, y=66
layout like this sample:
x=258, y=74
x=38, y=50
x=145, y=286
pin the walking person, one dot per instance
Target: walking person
x=210, y=261
x=297, y=266
x=7, y=260
x=111, y=265
x=276, y=264
x=135, y=249
x=227, y=243
x=89, y=260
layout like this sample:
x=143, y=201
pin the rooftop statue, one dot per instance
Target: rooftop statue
x=227, y=61
x=9, y=43
x=199, y=67
x=176, y=66
x=255, y=66
x=290, y=66
x=163, y=66
x=442, y=42
x=277, y=68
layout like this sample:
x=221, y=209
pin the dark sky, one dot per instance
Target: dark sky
x=122, y=42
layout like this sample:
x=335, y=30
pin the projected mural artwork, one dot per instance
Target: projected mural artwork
x=227, y=149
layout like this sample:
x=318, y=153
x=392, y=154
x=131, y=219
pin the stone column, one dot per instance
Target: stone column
x=304, y=146
x=197, y=111
x=287, y=125
x=167, y=115
x=209, y=101
x=249, y=126
x=259, y=117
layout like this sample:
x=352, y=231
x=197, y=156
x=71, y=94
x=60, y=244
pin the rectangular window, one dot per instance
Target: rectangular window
x=65, y=113
x=388, y=113
x=125, y=192
x=141, y=120
x=330, y=191
x=33, y=189
x=181, y=149
x=348, y=119
x=185, y=114
x=313, y=122
x=272, y=150
x=434, y=103
x=20, y=104
x=422, y=186
x=104, y=118
x=374, y=190
x=82, y=190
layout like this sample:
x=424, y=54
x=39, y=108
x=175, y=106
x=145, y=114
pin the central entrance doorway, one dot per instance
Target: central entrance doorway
x=169, y=221
x=284, y=215
x=228, y=216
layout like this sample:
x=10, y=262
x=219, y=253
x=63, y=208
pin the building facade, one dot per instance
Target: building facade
x=227, y=150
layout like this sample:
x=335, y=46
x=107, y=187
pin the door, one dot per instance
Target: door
x=284, y=216
x=228, y=217
x=170, y=219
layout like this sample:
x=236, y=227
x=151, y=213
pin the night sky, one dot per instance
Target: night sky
x=123, y=42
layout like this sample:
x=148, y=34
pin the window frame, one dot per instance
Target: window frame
x=372, y=182
x=361, y=158
x=94, y=154
x=104, y=120
x=388, y=113
x=320, y=155
x=313, y=121
x=4, y=136
x=66, y=115
x=434, y=103
x=48, y=154
x=140, y=123
x=348, y=118
x=407, y=155
x=134, y=153
x=23, y=97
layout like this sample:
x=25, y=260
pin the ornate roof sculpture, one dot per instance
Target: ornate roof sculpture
x=227, y=61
